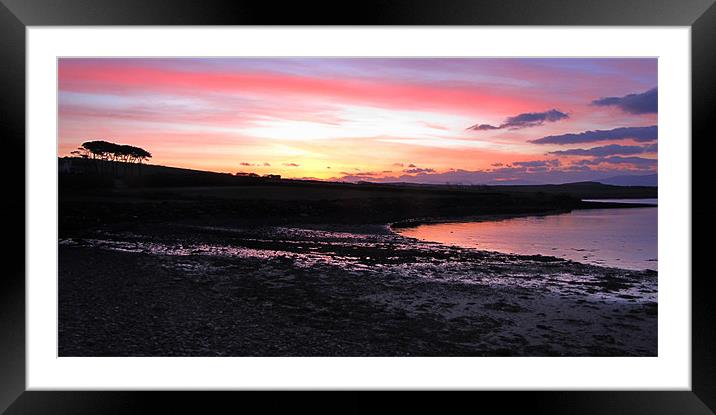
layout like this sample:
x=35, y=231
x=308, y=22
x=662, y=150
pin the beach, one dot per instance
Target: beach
x=207, y=288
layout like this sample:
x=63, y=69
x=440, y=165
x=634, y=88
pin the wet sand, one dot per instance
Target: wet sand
x=180, y=289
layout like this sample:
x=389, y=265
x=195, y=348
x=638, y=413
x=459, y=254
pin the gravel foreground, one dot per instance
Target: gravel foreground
x=338, y=290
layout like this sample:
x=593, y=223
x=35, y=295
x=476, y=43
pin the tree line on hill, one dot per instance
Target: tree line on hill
x=111, y=158
x=104, y=150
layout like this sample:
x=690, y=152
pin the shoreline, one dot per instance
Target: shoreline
x=339, y=290
x=304, y=203
x=315, y=271
x=409, y=223
x=415, y=223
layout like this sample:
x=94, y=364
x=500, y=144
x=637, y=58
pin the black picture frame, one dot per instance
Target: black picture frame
x=16, y=15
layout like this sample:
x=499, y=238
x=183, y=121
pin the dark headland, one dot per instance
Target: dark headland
x=163, y=261
x=158, y=194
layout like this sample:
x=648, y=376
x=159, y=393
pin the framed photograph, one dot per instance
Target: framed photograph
x=490, y=197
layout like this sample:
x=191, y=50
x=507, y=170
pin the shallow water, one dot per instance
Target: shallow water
x=650, y=201
x=622, y=238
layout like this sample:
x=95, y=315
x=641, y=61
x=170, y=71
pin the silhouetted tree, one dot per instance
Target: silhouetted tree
x=78, y=153
x=135, y=154
x=105, y=151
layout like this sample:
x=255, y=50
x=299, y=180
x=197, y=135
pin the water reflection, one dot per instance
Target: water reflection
x=623, y=238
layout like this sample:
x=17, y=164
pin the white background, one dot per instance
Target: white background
x=670, y=370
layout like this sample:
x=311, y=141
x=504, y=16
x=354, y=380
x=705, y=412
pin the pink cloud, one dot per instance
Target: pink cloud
x=105, y=77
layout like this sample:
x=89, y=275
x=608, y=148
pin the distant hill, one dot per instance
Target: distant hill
x=643, y=180
x=585, y=190
x=81, y=174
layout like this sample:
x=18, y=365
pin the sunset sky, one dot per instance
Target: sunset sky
x=429, y=120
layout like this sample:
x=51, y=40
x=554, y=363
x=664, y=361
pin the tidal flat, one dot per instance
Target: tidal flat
x=188, y=289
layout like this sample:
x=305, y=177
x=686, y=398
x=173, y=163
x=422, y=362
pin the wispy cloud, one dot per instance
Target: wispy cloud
x=643, y=103
x=528, y=119
x=637, y=162
x=419, y=170
x=635, y=133
x=612, y=149
x=537, y=163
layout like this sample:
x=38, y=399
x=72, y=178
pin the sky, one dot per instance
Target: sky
x=421, y=120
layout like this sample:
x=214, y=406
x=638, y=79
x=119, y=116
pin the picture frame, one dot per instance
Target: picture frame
x=16, y=15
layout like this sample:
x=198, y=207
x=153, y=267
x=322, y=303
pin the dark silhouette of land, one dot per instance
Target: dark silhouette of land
x=159, y=193
x=163, y=261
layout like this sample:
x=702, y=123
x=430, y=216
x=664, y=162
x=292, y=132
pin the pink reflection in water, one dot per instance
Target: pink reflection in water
x=623, y=238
